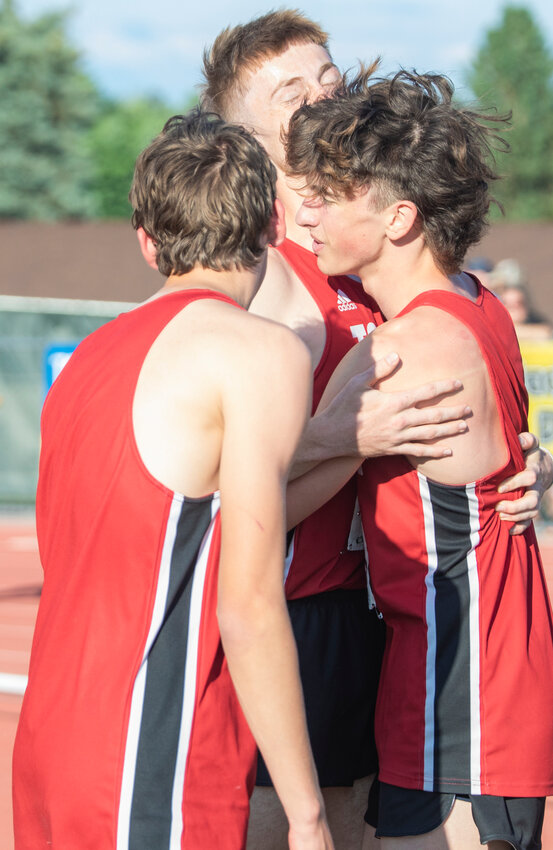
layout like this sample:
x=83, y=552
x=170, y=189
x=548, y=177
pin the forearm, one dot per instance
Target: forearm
x=262, y=658
x=325, y=438
x=309, y=492
x=360, y=422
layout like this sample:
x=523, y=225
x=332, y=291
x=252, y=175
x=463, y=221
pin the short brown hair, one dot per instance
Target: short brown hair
x=403, y=136
x=243, y=48
x=204, y=192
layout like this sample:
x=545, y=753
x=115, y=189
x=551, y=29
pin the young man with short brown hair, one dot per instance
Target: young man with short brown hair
x=162, y=635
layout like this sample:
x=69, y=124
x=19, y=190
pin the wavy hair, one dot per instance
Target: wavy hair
x=405, y=137
x=204, y=192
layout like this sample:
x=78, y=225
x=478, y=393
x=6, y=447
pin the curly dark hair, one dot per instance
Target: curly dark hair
x=405, y=137
x=204, y=192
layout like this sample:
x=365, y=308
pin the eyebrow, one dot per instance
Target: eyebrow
x=326, y=67
x=293, y=80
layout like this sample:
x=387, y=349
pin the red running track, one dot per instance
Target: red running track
x=20, y=583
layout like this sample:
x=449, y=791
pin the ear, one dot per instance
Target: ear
x=147, y=247
x=401, y=219
x=277, y=227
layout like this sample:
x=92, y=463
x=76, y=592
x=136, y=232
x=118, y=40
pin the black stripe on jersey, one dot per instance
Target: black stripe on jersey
x=289, y=538
x=151, y=811
x=452, y=601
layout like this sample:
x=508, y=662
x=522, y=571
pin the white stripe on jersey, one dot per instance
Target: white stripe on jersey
x=289, y=557
x=137, y=701
x=474, y=628
x=429, y=718
x=189, y=696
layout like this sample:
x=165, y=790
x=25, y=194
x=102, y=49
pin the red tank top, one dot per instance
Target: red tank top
x=130, y=732
x=323, y=553
x=466, y=699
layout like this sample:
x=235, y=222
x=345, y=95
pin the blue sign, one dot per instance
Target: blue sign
x=54, y=359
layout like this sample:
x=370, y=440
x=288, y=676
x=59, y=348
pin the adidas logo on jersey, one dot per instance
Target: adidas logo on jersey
x=345, y=303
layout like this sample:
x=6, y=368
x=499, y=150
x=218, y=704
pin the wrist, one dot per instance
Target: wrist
x=307, y=816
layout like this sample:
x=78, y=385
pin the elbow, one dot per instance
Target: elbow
x=246, y=618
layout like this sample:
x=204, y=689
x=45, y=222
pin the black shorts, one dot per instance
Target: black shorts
x=398, y=811
x=340, y=645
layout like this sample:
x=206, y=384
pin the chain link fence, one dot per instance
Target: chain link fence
x=36, y=337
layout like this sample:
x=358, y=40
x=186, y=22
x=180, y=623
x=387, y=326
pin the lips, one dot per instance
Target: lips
x=317, y=246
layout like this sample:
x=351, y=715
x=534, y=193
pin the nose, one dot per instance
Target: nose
x=307, y=215
x=316, y=91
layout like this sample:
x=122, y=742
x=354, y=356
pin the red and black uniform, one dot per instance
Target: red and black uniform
x=320, y=554
x=466, y=697
x=130, y=734
x=339, y=640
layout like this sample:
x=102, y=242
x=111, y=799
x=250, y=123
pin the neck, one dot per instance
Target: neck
x=292, y=202
x=238, y=284
x=395, y=279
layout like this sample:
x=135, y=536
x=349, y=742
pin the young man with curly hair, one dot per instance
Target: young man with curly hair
x=396, y=182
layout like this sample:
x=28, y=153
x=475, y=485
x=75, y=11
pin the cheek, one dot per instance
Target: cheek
x=343, y=238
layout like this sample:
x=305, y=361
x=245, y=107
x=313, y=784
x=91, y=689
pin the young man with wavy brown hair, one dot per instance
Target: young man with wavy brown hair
x=396, y=180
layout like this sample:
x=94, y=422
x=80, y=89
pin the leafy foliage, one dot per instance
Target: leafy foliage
x=115, y=141
x=47, y=106
x=513, y=72
x=64, y=152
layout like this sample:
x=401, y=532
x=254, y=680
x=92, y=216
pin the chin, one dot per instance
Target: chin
x=328, y=268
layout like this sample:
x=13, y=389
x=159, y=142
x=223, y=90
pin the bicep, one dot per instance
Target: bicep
x=434, y=346
x=264, y=411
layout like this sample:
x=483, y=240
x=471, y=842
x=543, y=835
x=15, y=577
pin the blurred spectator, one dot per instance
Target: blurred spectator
x=482, y=268
x=507, y=281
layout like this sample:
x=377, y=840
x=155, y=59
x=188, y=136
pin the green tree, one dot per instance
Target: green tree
x=513, y=72
x=46, y=109
x=115, y=141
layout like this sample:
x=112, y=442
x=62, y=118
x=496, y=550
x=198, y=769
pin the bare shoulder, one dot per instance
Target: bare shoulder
x=431, y=343
x=258, y=338
x=435, y=345
x=243, y=350
x=215, y=371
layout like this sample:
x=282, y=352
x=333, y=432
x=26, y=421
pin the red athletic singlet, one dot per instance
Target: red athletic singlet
x=131, y=736
x=466, y=696
x=318, y=557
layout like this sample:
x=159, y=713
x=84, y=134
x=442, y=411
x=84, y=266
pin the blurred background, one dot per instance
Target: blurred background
x=85, y=86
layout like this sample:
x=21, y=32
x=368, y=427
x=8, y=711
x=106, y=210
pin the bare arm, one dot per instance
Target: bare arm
x=355, y=419
x=433, y=345
x=320, y=481
x=264, y=416
x=361, y=421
